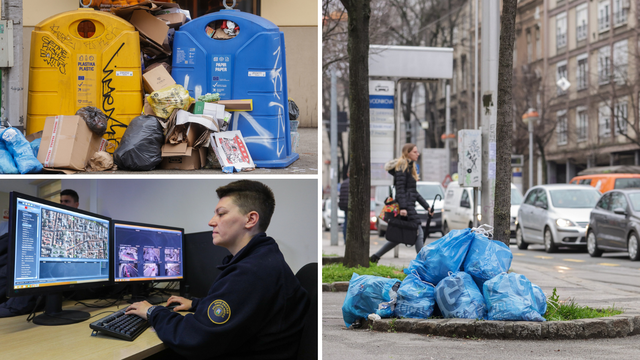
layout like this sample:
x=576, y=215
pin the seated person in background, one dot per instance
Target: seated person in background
x=70, y=198
x=255, y=308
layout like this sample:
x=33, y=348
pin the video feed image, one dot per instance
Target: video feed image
x=172, y=269
x=128, y=253
x=128, y=270
x=150, y=270
x=67, y=236
x=172, y=254
x=151, y=254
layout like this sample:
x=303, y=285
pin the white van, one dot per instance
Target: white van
x=457, y=212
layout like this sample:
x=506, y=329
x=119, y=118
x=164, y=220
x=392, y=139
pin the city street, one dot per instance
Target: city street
x=596, y=282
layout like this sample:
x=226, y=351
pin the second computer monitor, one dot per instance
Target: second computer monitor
x=145, y=252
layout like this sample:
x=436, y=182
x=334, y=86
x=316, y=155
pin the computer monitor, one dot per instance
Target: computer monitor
x=145, y=253
x=55, y=248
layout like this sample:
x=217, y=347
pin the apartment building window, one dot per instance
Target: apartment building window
x=561, y=30
x=603, y=15
x=582, y=71
x=561, y=127
x=604, y=65
x=620, y=61
x=581, y=22
x=620, y=113
x=538, y=44
x=620, y=12
x=604, y=121
x=561, y=72
x=529, y=47
x=582, y=123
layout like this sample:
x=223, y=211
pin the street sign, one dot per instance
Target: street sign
x=381, y=127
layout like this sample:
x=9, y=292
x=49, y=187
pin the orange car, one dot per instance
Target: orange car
x=606, y=182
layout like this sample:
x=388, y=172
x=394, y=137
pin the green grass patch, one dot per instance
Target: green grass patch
x=559, y=310
x=338, y=272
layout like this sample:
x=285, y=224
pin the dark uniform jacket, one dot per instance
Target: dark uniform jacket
x=254, y=310
x=343, y=203
x=407, y=193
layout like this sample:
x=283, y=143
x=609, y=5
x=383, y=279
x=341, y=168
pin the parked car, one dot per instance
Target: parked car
x=373, y=217
x=555, y=215
x=606, y=182
x=614, y=224
x=458, y=210
x=428, y=190
x=326, y=215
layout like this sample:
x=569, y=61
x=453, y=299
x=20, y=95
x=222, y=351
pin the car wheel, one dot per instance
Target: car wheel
x=522, y=245
x=549, y=245
x=445, y=228
x=592, y=245
x=632, y=247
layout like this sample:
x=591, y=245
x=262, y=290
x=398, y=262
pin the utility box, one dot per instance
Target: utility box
x=85, y=58
x=470, y=158
x=248, y=61
x=6, y=43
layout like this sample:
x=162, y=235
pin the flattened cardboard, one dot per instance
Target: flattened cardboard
x=156, y=79
x=173, y=20
x=36, y=135
x=72, y=144
x=149, y=26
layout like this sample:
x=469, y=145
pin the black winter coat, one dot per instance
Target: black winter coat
x=407, y=193
x=343, y=204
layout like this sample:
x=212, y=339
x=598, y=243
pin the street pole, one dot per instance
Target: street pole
x=333, y=173
x=530, y=153
x=447, y=140
x=12, y=86
x=490, y=53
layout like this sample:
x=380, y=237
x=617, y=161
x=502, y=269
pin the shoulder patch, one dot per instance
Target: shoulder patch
x=219, y=312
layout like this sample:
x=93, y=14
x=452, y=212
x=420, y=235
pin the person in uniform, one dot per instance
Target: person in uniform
x=255, y=308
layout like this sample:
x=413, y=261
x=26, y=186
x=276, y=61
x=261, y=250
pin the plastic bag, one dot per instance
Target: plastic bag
x=541, y=299
x=166, y=99
x=21, y=151
x=511, y=297
x=294, y=112
x=140, y=145
x=365, y=295
x=96, y=120
x=458, y=296
x=416, y=298
x=35, y=146
x=7, y=165
x=486, y=259
x=435, y=261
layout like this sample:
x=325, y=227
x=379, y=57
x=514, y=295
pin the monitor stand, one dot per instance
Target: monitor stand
x=140, y=292
x=54, y=315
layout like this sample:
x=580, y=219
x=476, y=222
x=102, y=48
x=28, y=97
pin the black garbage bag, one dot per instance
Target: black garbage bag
x=294, y=112
x=96, y=120
x=140, y=145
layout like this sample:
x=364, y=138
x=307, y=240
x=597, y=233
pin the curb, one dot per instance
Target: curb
x=607, y=327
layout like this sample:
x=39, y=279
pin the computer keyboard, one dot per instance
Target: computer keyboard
x=120, y=325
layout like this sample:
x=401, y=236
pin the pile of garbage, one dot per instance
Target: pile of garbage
x=462, y=275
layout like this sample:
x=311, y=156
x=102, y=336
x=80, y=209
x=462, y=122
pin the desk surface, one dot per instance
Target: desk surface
x=25, y=340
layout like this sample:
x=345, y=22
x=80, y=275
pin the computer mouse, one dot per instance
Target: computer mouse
x=172, y=305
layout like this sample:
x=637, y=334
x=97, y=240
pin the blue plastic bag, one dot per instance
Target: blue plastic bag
x=35, y=146
x=21, y=151
x=416, y=298
x=511, y=297
x=458, y=296
x=541, y=299
x=436, y=260
x=369, y=294
x=7, y=165
x=486, y=259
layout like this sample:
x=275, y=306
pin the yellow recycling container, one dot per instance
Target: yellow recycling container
x=85, y=58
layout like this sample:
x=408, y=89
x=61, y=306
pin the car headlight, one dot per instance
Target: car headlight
x=479, y=217
x=564, y=223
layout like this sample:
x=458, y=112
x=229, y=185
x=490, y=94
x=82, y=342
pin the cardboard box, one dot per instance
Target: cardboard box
x=67, y=142
x=231, y=150
x=156, y=79
x=237, y=105
x=192, y=153
x=173, y=20
x=149, y=26
x=193, y=159
x=214, y=110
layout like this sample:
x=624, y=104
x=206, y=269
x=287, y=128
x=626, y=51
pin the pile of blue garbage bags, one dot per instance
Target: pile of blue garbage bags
x=462, y=275
x=17, y=155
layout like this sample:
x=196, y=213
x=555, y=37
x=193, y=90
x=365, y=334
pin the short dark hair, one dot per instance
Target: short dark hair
x=72, y=193
x=249, y=196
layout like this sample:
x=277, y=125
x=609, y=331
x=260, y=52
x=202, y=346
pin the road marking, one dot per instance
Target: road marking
x=573, y=260
x=608, y=264
x=563, y=267
x=518, y=254
x=543, y=257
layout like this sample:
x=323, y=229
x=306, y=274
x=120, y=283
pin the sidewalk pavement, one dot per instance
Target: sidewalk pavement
x=584, y=292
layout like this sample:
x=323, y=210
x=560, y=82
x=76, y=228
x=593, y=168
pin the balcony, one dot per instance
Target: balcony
x=620, y=17
x=581, y=32
x=561, y=40
x=603, y=23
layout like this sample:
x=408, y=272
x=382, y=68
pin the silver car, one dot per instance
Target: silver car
x=555, y=215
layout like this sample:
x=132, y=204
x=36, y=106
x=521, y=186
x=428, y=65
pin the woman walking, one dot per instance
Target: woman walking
x=405, y=177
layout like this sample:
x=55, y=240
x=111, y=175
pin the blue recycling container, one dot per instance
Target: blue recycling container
x=251, y=65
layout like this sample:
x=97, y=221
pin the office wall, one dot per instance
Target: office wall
x=6, y=186
x=189, y=203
